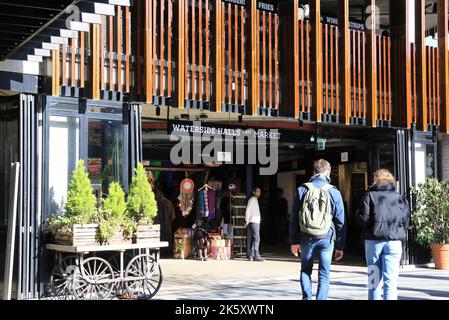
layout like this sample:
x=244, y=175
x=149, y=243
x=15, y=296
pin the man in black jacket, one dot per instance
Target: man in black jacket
x=384, y=216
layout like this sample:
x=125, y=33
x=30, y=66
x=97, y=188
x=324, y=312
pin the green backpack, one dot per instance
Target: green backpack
x=315, y=215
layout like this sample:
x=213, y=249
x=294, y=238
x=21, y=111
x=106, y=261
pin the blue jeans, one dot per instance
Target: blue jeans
x=383, y=259
x=253, y=240
x=323, y=248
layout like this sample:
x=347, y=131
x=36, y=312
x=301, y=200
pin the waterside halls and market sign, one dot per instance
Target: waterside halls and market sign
x=225, y=131
x=261, y=5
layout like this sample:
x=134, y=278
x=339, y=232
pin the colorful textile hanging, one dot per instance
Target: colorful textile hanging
x=186, y=196
x=211, y=203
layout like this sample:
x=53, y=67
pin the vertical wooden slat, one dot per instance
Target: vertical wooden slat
x=316, y=59
x=365, y=95
x=230, y=67
x=356, y=109
x=390, y=113
x=331, y=62
x=296, y=98
x=111, y=55
x=438, y=97
x=187, y=61
x=359, y=73
x=434, y=73
x=264, y=60
x=379, y=78
x=242, y=58
x=161, y=49
x=384, y=62
x=429, y=70
x=154, y=56
x=303, y=79
x=200, y=50
x=270, y=61
x=371, y=65
x=253, y=44
x=236, y=55
x=194, y=65
x=73, y=62
x=208, y=44
x=169, y=49
x=326, y=69
x=181, y=62
x=139, y=54
x=64, y=65
x=148, y=52
x=276, y=62
x=218, y=64
x=224, y=65
x=82, y=59
x=308, y=66
x=337, y=72
x=119, y=48
x=102, y=50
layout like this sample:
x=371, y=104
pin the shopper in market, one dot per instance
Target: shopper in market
x=316, y=227
x=252, y=218
x=384, y=216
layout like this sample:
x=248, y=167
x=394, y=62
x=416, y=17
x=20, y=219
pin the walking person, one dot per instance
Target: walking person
x=317, y=226
x=252, y=218
x=384, y=216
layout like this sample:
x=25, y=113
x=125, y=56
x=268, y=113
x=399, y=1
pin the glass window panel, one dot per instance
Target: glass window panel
x=105, y=153
x=63, y=155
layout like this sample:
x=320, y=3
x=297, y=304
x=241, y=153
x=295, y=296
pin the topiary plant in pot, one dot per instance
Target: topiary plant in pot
x=142, y=207
x=115, y=225
x=78, y=224
x=431, y=219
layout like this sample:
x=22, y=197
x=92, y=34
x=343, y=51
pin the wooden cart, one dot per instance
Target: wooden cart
x=86, y=273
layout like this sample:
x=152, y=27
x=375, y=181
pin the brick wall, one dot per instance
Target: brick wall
x=444, y=160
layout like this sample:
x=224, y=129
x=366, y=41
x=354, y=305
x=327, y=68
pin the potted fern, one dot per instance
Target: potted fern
x=142, y=207
x=431, y=219
x=79, y=224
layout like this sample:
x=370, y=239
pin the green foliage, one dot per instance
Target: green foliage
x=431, y=216
x=116, y=201
x=108, y=225
x=81, y=201
x=141, y=201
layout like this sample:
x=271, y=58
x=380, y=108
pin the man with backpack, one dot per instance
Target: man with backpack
x=317, y=226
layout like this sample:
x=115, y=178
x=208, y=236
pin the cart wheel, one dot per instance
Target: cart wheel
x=95, y=281
x=143, y=277
x=114, y=261
x=61, y=279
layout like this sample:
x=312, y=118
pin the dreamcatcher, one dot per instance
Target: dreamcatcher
x=186, y=196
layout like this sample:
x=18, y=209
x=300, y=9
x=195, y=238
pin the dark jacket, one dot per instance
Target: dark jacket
x=338, y=230
x=384, y=214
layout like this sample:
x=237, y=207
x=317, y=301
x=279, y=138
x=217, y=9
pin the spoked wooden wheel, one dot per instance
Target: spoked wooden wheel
x=62, y=279
x=143, y=277
x=114, y=261
x=96, y=280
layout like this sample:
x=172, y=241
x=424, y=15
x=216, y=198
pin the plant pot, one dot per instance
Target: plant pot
x=148, y=234
x=80, y=235
x=440, y=254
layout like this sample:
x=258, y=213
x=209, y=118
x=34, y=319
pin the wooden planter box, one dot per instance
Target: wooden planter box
x=86, y=235
x=81, y=235
x=148, y=234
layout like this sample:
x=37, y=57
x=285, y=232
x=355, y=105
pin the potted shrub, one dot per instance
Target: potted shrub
x=142, y=207
x=78, y=225
x=115, y=226
x=431, y=219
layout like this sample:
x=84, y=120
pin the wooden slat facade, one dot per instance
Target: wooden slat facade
x=229, y=57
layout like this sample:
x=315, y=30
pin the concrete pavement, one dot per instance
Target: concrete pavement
x=278, y=279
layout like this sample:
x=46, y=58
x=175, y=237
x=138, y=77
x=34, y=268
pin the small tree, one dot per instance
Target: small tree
x=431, y=216
x=116, y=201
x=141, y=201
x=81, y=201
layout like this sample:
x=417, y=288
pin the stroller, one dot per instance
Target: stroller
x=201, y=241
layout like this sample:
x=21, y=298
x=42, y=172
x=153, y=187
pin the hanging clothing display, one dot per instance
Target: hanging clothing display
x=206, y=202
x=186, y=196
